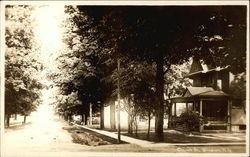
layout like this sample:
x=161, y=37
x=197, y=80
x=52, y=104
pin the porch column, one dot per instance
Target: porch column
x=170, y=115
x=170, y=110
x=229, y=116
x=201, y=126
x=175, y=109
x=194, y=109
x=186, y=106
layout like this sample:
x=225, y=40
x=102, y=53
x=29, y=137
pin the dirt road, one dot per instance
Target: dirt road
x=44, y=134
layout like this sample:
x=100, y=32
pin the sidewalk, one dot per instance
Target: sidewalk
x=144, y=143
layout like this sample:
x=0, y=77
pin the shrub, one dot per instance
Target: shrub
x=191, y=120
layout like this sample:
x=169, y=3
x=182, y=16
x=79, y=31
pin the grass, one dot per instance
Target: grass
x=179, y=137
x=87, y=137
x=172, y=136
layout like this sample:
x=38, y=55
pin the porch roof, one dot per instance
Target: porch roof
x=197, y=93
x=191, y=91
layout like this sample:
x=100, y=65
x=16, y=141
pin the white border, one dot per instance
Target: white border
x=247, y=85
x=129, y=2
x=2, y=75
x=123, y=3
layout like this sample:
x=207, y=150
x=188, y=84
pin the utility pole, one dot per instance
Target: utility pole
x=118, y=97
x=90, y=114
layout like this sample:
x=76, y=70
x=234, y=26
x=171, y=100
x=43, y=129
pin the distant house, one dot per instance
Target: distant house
x=110, y=118
x=209, y=97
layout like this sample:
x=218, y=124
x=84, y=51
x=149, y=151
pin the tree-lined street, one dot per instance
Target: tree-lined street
x=67, y=61
x=46, y=137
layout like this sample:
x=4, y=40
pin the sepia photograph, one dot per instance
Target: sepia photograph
x=131, y=78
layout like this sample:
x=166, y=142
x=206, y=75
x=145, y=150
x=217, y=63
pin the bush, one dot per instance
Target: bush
x=190, y=120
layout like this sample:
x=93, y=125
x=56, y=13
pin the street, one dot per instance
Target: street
x=44, y=134
x=123, y=79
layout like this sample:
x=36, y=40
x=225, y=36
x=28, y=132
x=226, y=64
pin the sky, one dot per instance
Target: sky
x=48, y=32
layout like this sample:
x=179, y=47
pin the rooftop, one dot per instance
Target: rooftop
x=199, y=67
x=193, y=93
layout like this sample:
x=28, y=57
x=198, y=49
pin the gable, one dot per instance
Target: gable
x=187, y=94
x=199, y=66
x=195, y=67
x=191, y=91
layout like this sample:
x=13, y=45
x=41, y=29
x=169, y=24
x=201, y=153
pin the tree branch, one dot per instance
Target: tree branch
x=167, y=69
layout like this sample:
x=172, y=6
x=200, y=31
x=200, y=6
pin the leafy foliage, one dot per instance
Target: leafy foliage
x=21, y=87
x=161, y=36
x=82, y=68
x=189, y=120
x=176, y=81
x=238, y=89
x=154, y=34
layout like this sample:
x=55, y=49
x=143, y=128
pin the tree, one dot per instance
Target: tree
x=176, y=83
x=137, y=87
x=220, y=39
x=154, y=34
x=82, y=67
x=21, y=85
x=238, y=89
x=145, y=99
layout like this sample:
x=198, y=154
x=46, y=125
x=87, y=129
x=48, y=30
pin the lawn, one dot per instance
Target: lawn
x=171, y=136
x=86, y=137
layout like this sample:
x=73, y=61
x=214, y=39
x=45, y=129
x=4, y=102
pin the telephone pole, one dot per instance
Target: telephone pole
x=118, y=97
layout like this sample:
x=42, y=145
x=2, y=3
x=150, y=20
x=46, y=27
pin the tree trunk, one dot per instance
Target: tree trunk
x=102, y=117
x=129, y=129
x=64, y=116
x=159, y=107
x=90, y=114
x=149, y=120
x=136, y=127
x=68, y=117
x=86, y=119
x=129, y=118
x=8, y=120
x=170, y=117
x=112, y=116
x=83, y=119
x=131, y=124
x=15, y=116
x=24, y=119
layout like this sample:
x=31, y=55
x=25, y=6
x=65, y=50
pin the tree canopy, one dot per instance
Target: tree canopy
x=21, y=65
x=171, y=35
x=160, y=37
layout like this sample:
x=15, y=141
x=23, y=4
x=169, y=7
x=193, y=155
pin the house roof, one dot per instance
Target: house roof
x=194, y=93
x=203, y=91
x=214, y=94
x=191, y=91
x=198, y=67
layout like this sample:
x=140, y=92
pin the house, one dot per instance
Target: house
x=110, y=118
x=209, y=97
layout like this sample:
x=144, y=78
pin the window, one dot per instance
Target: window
x=190, y=107
x=180, y=108
x=219, y=84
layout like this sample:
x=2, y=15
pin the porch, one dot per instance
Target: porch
x=214, y=106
